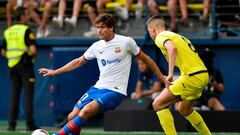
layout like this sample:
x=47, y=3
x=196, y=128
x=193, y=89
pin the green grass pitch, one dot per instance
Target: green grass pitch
x=89, y=132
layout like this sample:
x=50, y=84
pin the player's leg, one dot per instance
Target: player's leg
x=71, y=116
x=84, y=114
x=160, y=105
x=185, y=109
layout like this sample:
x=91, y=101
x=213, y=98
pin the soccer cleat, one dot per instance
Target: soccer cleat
x=57, y=22
x=70, y=22
x=92, y=33
x=138, y=12
x=121, y=12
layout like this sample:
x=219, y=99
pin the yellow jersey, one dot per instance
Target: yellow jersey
x=187, y=59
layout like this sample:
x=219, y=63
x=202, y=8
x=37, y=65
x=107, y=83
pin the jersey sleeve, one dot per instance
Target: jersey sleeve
x=89, y=54
x=160, y=40
x=30, y=38
x=133, y=47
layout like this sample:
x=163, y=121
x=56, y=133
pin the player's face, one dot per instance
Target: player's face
x=141, y=66
x=104, y=32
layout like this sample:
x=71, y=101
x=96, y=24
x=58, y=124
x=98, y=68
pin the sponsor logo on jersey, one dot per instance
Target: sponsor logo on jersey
x=105, y=62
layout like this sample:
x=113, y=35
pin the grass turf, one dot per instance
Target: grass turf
x=115, y=133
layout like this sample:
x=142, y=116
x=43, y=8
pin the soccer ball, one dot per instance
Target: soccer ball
x=39, y=132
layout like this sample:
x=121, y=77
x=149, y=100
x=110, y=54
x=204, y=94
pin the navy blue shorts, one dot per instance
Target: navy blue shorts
x=107, y=99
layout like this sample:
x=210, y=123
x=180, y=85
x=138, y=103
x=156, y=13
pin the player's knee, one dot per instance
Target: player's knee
x=156, y=105
x=86, y=113
x=183, y=110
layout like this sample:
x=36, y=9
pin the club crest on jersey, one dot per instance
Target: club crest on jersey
x=117, y=49
x=100, y=51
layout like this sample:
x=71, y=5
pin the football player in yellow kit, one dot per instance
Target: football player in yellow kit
x=179, y=52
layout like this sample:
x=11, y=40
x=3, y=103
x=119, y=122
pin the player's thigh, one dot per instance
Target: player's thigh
x=74, y=113
x=184, y=107
x=89, y=110
x=165, y=99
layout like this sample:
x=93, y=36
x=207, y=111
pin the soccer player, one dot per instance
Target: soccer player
x=178, y=51
x=113, y=53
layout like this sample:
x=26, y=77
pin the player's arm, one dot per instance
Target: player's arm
x=66, y=68
x=156, y=88
x=138, y=90
x=172, y=53
x=151, y=65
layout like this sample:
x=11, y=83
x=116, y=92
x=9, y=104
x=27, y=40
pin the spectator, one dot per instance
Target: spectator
x=123, y=12
x=20, y=50
x=212, y=92
x=72, y=22
x=77, y=6
x=172, y=11
x=14, y=4
x=147, y=85
x=203, y=18
x=47, y=5
x=92, y=13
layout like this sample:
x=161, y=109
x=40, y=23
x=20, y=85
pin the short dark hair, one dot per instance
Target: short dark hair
x=153, y=18
x=107, y=20
x=20, y=11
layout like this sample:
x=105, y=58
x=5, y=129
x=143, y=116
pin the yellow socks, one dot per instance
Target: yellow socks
x=197, y=122
x=167, y=122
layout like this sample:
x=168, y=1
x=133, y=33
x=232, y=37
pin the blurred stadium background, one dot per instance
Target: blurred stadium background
x=55, y=97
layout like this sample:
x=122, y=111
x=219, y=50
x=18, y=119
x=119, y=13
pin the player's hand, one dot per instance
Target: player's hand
x=47, y=72
x=168, y=81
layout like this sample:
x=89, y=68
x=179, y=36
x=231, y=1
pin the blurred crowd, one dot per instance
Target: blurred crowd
x=122, y=8
x=40, y=12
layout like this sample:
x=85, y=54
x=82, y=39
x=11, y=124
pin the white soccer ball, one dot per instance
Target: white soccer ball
x=39, y=132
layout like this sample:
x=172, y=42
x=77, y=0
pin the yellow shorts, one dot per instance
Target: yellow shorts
x=189, y=87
